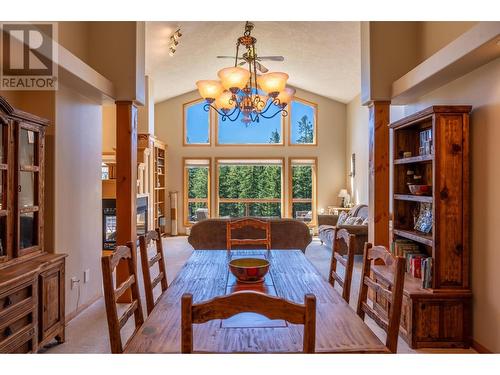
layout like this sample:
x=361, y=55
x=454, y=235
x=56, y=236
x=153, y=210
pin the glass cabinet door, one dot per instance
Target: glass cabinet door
x=28, y=180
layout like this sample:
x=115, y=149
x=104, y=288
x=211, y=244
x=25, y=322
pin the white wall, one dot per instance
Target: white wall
x=330, y=150
x=78, y=214
x=357, y=143
x=481, y=89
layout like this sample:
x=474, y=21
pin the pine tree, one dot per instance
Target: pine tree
x=275, y=137
x=306, y=130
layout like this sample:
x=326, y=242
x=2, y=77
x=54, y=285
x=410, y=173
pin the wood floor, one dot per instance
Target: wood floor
x=88, y=332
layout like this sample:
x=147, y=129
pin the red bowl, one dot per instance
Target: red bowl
x=249, y=270
x=420, y=189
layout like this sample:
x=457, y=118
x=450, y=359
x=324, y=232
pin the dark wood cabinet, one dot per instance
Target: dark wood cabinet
x=438, y=315
x=31, y=280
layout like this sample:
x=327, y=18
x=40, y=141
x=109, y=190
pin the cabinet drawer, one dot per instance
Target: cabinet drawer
x=18, y=300
x=23, y=341
x=15, y=326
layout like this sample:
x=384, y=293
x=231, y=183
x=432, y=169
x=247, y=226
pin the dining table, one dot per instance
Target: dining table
x=291, y=275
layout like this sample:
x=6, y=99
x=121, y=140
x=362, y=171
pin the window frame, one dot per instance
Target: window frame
x=185, y=106
x=218, y=144
x=315, y=123
x=243, y=200
x=314, y=195
x=185, y=198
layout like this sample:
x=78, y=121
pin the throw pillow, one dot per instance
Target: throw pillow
x=354, y=220
x=342, y=218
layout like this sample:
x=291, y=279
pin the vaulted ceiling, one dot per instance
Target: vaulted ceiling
x=321, y=57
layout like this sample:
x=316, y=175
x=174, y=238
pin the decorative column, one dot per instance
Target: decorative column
x=378, y=185
x=173, y=213
x=126, y=183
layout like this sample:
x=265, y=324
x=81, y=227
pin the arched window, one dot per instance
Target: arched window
x=302, y=122
x=196, y=123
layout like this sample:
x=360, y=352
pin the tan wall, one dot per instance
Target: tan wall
x=109, y=128
x=434, y=35
x=78, y=212
x=74, y=36
x=357, y=143
x=330, y=150
x=481, y=89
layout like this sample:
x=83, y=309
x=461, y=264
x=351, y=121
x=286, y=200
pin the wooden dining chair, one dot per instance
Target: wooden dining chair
x=147, y=263
x=226, y=306
x=347, y=263
x=390, y=322
x=111, y=295
x=232, y=225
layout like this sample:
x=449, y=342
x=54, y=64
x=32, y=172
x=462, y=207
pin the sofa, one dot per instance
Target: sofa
x=328, y=224
x=210, y=234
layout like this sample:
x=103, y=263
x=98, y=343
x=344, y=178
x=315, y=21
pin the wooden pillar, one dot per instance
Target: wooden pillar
x=126, y=183
x=378, y=186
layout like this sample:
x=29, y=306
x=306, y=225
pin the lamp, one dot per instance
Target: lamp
x=286, y=96
x=272, y=83
x=209, y=89
x=234, y=78
x=244, y=94
x=345, y=197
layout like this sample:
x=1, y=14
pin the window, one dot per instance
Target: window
x=250, y=187
x=302, y=189
x=196, y=190
x=196, y=123
x=302, y=122
x=264, y=132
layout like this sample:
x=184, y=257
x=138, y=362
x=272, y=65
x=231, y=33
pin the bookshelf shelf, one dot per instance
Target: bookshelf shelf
x=413, y=235
x=414, y=198
x=441, y=134
x=414, y=159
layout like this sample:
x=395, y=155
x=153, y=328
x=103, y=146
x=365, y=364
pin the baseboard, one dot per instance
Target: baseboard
x=82, y=308
x=480, y=348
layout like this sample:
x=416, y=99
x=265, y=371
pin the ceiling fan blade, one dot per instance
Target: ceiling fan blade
x=271, y=58
x=242, y=63
x=229, y=57
x=261, y=67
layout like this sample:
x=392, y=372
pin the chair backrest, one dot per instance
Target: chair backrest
x=147, y=263
x=390, y=324
x=111, y=295
x=226, y=306
x=347, y=263
x=265, y=226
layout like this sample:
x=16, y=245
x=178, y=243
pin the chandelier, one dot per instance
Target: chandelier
x=243, y=91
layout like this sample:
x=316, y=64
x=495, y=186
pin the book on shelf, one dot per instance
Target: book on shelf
x=400, y=247
x=426, y=271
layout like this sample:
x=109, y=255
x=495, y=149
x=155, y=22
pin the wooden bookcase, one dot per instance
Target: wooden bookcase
x=439, y=316
x=159, y=183
x=32, y=311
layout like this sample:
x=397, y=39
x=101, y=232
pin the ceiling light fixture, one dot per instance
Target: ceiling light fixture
x=242, y=91
x=174, y=42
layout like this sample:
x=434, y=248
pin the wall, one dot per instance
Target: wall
x=481, y=89
x=330, y=150
x=78, y=192
x=109, y=128
x=357, y=143
x=434, y=35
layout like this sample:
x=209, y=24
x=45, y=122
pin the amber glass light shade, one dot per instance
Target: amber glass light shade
x=234, y=77
x=286, y=95
x=209, y=89
x=272, y=83
x=224, y=101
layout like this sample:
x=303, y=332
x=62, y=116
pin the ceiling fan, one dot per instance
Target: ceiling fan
x=248, y=58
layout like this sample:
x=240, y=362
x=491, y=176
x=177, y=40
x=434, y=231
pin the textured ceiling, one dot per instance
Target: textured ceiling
x=321, y=57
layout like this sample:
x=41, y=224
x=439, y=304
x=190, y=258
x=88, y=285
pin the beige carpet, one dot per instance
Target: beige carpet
x=88, y=332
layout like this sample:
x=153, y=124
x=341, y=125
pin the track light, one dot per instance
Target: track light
x=174, y=42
